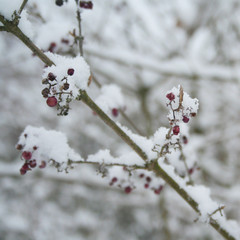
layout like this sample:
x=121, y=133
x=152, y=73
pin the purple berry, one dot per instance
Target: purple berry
x=43, y=164
x=25, y=167
x=170, y=96
x=141, y=175
x=33, y=163
x=51, y=101
x=185, y=119
x=115, y=112
x=51, y=76
x=70, y=71
x=128, y=189
x=146, y=185
x=22, y=171
x=114, y=179
x=176, y=130
x=86, y=4
x=27, y=155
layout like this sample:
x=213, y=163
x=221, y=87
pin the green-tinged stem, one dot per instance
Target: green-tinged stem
x=161, y=173
x=107, y=164
x=22, y=6
x=9, y=26
x=88, y=101
x=80, y=37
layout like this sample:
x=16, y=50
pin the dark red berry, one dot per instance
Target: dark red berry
x=158, y=191
x=193, y=114
x=185, y=119
x=190, y=171
x=66, y=86
x=128, y=189
x=25, y=167
x=33, y=163
x=170, y=96
x=176, y=130
x=146, y=185
x=148, y=179
x=19, y=147
x=51, y=76
x=59, y=2
x=25, y=135
x=52, y=46
x=86, y=4
x=27, y=155
x=66, y=41
x=141, y=175
x=35, y=148
x=115, y=112
x=70, y=71
x=43, y=164
x=185, y=140
x=114, y=179
x=22, y=171
x=51, y=101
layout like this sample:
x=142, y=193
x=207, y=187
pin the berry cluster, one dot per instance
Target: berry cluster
x=128, y=186
x=29, y=163
x=57, y=92
x=86, y=4
x=182, y=108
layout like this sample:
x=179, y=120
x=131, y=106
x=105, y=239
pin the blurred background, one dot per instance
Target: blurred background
x=146, y=48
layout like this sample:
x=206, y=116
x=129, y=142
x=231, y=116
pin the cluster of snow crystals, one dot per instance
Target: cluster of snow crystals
x=145, y=144
x=181, y=107
x=40, y=146
x=7, y=7
x=111, y=99
x=64, y=80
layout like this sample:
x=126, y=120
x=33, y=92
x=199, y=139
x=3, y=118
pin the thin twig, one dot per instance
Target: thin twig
x=22, y=6
x=107, y=164
x=80, y=37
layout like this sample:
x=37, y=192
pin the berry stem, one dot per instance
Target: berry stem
x=80, y=37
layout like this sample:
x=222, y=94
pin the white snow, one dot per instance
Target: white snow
x=50, y=144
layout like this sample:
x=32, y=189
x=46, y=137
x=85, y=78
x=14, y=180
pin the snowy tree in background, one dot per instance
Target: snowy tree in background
x=112, y=142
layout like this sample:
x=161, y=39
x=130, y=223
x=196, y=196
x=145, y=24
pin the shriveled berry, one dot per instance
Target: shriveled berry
x=114, y=179
x=170, y=96
x=148, y=179
x=45, y=92
x=35, y=148
x=86, y=4
x=33, y=163
x=66, y=41
x=19, y=147
x=70, y=71
x=25, y=167
x=51, y=76
x=45, y=81
x=185, y=119
x=115, y=112
x=59, y=3
x=27, y=155
x=51, y=101
x=66, y=86
x=128, y=189
x=43, y=164
x=22, y=171
x=193, y=114
x=176, y=130
x=185, y=140
x=52, y=46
